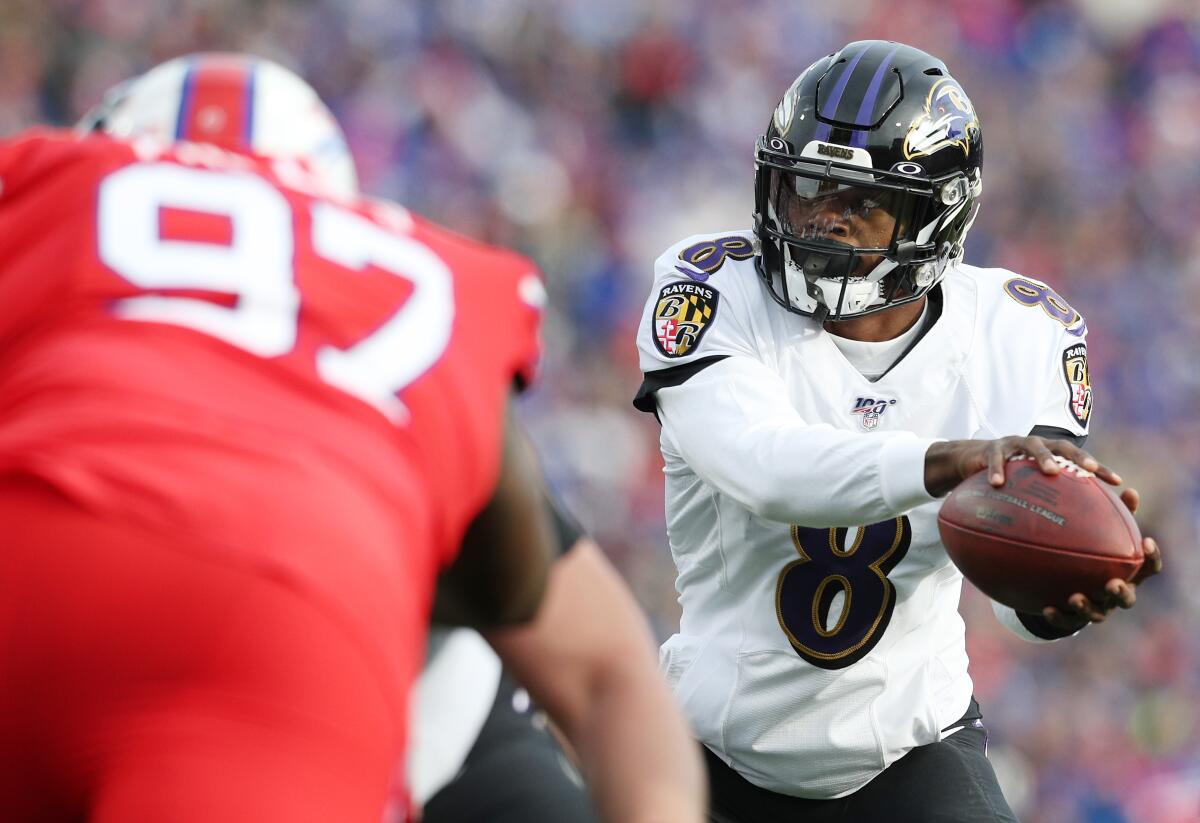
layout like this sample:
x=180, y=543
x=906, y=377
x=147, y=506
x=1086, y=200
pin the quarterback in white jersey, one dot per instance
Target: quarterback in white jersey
x=821, y=380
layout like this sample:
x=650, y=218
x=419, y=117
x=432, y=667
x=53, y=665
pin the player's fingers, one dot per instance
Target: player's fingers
x=1150, y=546
x=1061, y=621
x=1152, y=564
x=1067, y=449
x=1131, y=499
x=1120, y=594
x=1036, y=448
x=1053, y=616
x=1106, y=474
x=996, y=458
x=1084, y=608
x=1081, y=458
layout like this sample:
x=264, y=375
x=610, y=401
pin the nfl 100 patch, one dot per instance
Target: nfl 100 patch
x=870, y=409
x=1079, y=383
x=683, y=313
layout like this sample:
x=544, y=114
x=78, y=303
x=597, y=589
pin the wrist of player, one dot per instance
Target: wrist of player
x=942, y=472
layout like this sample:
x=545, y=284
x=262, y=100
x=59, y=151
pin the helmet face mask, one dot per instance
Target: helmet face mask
x=851, y=217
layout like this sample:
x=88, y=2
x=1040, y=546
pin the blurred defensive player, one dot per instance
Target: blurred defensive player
x=821, y=381
x=247, y=419
x=482, y=752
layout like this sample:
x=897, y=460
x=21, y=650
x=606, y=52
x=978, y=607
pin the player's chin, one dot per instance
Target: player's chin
x=865, y=264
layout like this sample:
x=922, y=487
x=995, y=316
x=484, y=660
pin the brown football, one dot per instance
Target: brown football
x=1039, y=538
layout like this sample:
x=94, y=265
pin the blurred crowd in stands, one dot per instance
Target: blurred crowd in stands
x=590, y=135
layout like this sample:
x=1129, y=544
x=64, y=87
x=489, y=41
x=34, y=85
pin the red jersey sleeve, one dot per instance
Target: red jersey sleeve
x=502, y=296
x=499, y=299
x=531, y=302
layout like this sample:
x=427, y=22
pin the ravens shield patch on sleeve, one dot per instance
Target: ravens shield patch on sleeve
x=1079, y=383
x=683, y=313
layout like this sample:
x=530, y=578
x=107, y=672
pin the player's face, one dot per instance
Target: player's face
x=823, y=210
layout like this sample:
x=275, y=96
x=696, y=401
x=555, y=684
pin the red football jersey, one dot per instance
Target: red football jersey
x=190, y=344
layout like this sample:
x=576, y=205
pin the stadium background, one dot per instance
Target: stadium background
x=592, y=134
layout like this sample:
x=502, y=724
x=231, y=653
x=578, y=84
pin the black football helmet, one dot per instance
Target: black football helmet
x=878, y=125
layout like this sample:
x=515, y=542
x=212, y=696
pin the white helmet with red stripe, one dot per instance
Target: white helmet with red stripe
x=242, y=104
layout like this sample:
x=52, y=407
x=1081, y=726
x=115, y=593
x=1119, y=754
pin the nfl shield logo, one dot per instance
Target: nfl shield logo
x=870, y=410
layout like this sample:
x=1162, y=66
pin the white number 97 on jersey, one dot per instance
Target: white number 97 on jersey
x=253, y=262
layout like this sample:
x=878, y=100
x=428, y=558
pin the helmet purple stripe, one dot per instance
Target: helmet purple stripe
x=859, y=138
x=829, y=110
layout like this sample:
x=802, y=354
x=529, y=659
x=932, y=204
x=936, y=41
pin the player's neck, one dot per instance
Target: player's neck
x=880, y=326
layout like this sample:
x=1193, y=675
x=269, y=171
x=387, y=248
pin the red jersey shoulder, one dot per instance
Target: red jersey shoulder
x=34, y=143
x=472, y=258
x=33, y=153
x=499, y=290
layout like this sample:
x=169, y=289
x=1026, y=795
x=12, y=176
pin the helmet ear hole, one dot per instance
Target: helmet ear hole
x=953, y=192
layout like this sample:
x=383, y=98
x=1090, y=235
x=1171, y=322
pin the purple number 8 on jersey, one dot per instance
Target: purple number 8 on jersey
x=710, y=255
x=808, y=588
x=1029, y=293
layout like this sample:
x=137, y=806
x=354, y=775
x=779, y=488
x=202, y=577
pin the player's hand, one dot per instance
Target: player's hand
x=949, y=463
x=1081, y=609
x=1117, y=594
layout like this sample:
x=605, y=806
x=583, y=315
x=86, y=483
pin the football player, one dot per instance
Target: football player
x=249, y=417
x=482, y=752
x=318, y=359
x=821, y=381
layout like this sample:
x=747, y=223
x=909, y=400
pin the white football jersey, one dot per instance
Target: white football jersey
x=820, y=638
